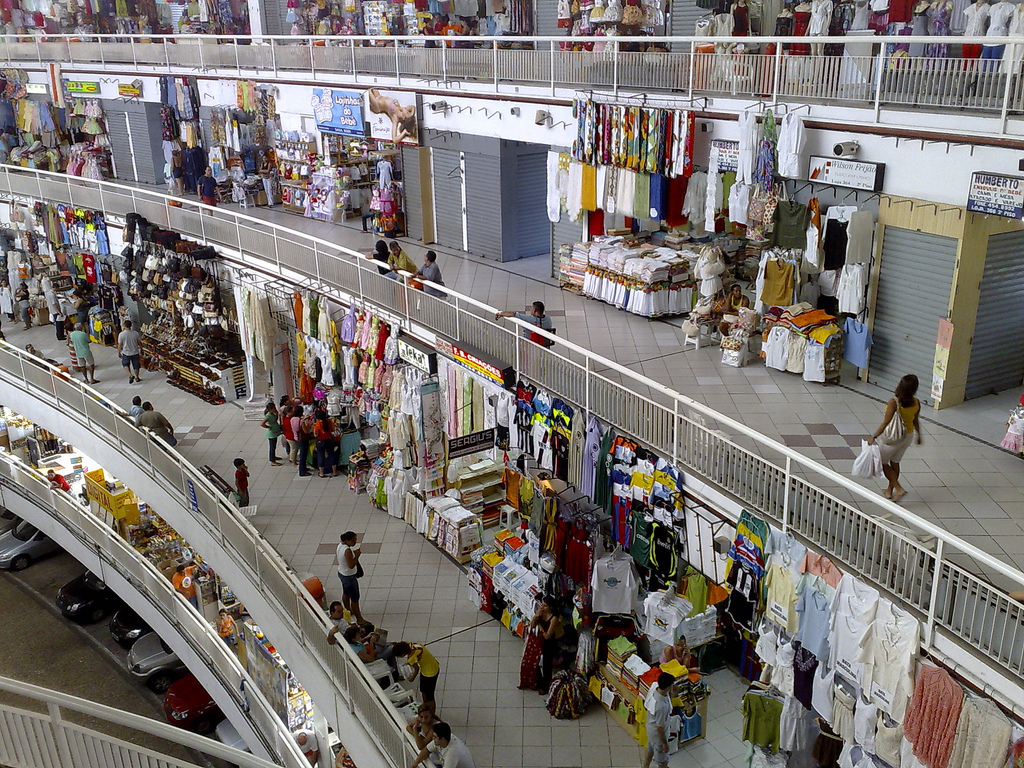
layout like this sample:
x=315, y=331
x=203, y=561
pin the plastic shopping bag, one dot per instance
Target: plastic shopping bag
x=869, y=462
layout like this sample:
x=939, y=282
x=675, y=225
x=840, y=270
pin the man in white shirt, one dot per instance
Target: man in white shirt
x=336, y=613
x=307, y=743
x=128, y=348
x=659, y=708
x=450, y=750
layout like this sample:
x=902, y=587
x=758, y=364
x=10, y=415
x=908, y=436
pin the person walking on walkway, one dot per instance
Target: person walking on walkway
x=424, y=666
x=272, y=424
x=6, y=299
x=21, y=296
x=899, y=426
x=430, y=271
x=659, y=708
x=83, y=353
x=349, y=571
x=158, y=423
x=207, y=188
x=242, y=482
x=128, y=348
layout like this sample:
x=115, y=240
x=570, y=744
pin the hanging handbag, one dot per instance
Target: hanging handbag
x=895, y=430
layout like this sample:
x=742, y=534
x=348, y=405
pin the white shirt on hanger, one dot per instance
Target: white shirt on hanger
x=614, y=583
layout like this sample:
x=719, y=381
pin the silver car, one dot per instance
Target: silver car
x=22, y=546
x=152, y=660
x=8, y=520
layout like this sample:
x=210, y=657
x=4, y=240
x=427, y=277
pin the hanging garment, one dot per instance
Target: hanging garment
x=749, y=134
x=792, y=138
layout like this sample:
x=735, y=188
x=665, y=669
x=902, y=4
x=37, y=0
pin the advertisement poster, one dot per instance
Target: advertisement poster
x=268, y=674
x=728, y=154
x=338, y=112
x=996, y=195
x=942, y=344
x=393, y=116
x=852, y=174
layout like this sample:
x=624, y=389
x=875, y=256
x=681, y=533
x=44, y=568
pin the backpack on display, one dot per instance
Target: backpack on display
x=568, y=695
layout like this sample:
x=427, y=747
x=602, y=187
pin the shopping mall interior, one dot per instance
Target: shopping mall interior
x=511, y=384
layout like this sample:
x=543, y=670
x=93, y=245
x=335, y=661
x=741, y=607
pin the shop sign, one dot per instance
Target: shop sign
x=338, y=112
x=132, y=90
x=852, y=174
x=417, y=355
x=728, y=154
x=121, y=505
x=471, y=443
x=193, y=500
x=392, y=116
x=82, y=87
x=477, y=362
x=996, y=195
x=36, y=88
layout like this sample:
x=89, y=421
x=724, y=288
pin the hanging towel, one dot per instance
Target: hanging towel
x=554, y=198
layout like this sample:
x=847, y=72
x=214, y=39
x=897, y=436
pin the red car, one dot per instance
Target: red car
x=188, y=705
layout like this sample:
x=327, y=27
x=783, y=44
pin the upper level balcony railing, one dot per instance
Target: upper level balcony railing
x=874, y=74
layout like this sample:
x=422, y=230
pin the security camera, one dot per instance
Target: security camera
x=846, y=149
x=439, y=106
x=542, y=118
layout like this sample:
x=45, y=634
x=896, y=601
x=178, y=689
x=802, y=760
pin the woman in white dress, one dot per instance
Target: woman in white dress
x=6, y=299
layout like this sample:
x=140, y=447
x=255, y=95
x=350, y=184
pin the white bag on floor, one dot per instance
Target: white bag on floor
x=869, y=462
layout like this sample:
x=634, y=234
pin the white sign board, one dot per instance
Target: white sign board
x=852, y=174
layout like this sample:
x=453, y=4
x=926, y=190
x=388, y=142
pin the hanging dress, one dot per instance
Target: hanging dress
x=801, y=19
x=529, y=668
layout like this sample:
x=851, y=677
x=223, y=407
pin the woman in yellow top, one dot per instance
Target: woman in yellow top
x=399, y=259
x=226, y=628
x=892, y=452
x=423, y=665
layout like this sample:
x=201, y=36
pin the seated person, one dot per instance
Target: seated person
x=336, y=613
x=422, y=726
x=678, y=651
x=731, y=305
x=368, y=646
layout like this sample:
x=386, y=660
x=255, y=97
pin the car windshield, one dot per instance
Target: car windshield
x=93, y=582
x=25, y=531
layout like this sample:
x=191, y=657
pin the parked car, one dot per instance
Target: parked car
x=152, y=660
x=8, y=520
x=23, y=545
x=86, y=599
x=126, y=627
x=188, y=705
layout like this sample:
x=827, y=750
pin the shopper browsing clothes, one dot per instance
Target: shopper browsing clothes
x=541, y=648
x=424, y=666
x=448, y=751
x=899, y=425
x=302, y=425
x=326, y=443
x=349, y=571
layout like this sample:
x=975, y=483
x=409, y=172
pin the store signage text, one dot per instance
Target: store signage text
x=37, y=88
x=852, y=174
x=338, y=112
x=477, y=362
x=996, y=195
x=82, y=87
x=417, y=356
x=132, y=90
x=728, y=154
x=471, y=443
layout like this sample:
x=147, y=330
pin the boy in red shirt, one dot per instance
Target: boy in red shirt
x=242, y=482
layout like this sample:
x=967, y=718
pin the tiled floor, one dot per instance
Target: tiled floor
x=956, y=478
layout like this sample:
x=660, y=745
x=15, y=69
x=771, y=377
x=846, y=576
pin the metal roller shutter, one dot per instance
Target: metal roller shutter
x=483, y=204
x=448, y=214
x=997, y=349
x=547, y=22
x=533, y=233
x=120, y=145
x=683, y=15
x=914, y=283
x=411, y=188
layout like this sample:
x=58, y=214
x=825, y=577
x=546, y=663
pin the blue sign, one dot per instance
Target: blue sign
x=996, y=195
x=338, y=112
x=192, y=500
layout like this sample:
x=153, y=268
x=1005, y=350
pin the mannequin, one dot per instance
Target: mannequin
x=862, y=10
x=940, y=13
x=801, y=20
x=977, y=19
x=821, y=17
x=999, y=17
x=919, y=27
x=741, y=18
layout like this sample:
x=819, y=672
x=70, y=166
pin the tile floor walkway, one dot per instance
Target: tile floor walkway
x=957, y=478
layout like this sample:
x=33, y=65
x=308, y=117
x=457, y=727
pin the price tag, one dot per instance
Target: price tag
x=882, y=696
x=779, y=612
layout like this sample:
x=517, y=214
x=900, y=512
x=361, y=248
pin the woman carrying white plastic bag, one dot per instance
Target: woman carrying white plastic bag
x=869, y=463
x=900, y=426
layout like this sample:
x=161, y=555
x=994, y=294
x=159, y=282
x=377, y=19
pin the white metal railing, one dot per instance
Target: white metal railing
x=870, y=534
x=867, y=71
x=29, y=495
x=43, y=732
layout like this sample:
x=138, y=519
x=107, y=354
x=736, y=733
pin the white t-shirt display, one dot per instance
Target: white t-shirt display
x=614, y=584
x=815, y=619
x=889, y=652
x=853, y=610
x=664, y=612
x=999, y=16
x=977, y=17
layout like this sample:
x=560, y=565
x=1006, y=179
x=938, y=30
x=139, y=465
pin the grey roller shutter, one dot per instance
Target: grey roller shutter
x=447, y=175
x=914, y=283
x=205, y=119
x=274, y=14
x=547, y=21
x=411, y=189
x=533, y=231
x=483, y=204
x=120, y=145
x=997, y=349
x=683, y=15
